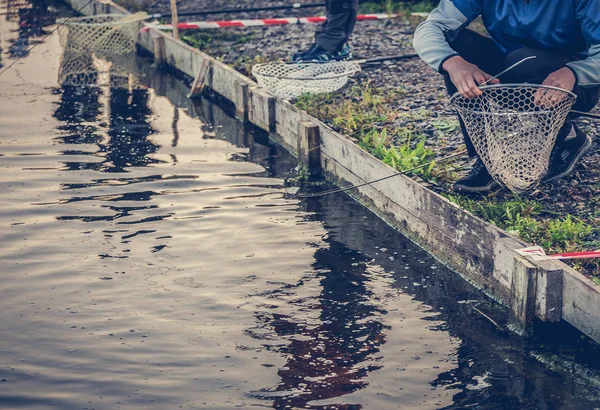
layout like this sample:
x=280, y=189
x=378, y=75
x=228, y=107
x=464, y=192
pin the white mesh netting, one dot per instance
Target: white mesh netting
x=513, y=129
x=97, y=50
x=288, y=80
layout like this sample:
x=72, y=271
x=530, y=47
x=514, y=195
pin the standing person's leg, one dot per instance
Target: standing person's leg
x=341, y=18
x=331, y=40
x=571, y=143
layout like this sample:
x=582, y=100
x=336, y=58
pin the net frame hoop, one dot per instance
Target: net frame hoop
x=457, y=95
x=117, y=20
x=334, y=76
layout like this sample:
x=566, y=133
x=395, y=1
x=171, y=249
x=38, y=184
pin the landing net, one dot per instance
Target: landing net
x=513, y=128
x=97, y=50
x=290, y=80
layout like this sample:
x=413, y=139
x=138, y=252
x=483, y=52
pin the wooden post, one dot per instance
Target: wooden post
x=174, y=19
x=241, y=100
x=261, y=109
x=203, y=78
x=160, y=52
x=309, y=143
x=549, y=291
x=523, y=289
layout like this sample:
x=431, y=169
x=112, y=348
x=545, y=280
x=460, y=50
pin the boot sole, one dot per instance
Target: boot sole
x=582, y=151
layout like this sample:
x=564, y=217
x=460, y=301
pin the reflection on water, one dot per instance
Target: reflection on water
x=332, y=354
x=32, y=17
x=116, y=120
x=152, y=258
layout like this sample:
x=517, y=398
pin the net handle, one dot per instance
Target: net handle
x=387, y=58
x=586, y=114
x=507, y=70
x=349, y=62
x=118, y=19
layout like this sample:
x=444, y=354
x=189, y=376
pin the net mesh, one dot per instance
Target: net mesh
x=290, y=80
x=514, y=128
x=97, y=50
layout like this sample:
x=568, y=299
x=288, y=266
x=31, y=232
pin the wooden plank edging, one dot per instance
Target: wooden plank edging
x=479, y=251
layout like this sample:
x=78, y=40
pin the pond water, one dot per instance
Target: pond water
x=152, y=256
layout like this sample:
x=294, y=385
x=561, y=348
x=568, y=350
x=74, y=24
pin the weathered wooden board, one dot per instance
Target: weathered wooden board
x=581, y=303
x=476, y=249
x=187, y=59
x=522, y=303
x=224, y=79
x=261, y=108
x=549, y=291
x=287, y=118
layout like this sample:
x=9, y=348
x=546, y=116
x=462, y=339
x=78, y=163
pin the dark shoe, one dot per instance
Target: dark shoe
x=479, y=180
x=345, y=53
x=567, y=154
x=299, y=56
x=318, y=54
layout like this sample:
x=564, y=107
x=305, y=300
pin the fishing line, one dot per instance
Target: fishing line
x=337, y=190
x=43, y=38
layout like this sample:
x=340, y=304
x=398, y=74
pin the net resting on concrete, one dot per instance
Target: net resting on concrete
x=513, y=128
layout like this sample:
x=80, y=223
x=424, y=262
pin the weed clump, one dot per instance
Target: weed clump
x=530, y=221
x=365, y=115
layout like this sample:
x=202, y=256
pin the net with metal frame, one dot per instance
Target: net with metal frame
x=291, y=80
x=97, y=49
x=513, y=128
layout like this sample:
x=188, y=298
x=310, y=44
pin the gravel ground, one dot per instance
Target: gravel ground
x=422, y=88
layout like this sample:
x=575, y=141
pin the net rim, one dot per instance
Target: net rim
x=493, y=121
x=457, y=95
x=257, y=68
x=117, y=19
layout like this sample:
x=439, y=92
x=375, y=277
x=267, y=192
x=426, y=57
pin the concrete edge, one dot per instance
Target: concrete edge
x=479, y=251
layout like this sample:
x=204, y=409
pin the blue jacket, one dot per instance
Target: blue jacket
x=571, y=26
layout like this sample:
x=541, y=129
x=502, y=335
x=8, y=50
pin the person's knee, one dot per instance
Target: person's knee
x=587, y=98
x=464, y=41
x=341, y=6
x=527, y=71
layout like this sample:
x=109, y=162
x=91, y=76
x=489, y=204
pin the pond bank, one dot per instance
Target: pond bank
x=477, y=250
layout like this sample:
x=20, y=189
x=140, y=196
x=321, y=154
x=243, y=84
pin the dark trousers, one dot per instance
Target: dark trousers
x=485, y=54
x=341, y=18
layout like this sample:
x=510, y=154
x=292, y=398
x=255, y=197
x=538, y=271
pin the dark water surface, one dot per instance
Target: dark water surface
x=152, y=258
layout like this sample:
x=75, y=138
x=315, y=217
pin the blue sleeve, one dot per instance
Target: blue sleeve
x=471, y=9
x=431, y=36
x=587, y=72
x=588, y=13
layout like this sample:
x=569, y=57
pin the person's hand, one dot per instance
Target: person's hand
x=563, y=78
x=466, y=77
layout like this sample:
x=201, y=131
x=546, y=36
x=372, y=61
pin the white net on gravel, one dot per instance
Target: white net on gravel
x=290, y=80
x=513, y=128
x=97, y=50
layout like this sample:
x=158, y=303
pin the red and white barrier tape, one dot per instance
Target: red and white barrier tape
x=537, y=253
x=266, y=22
